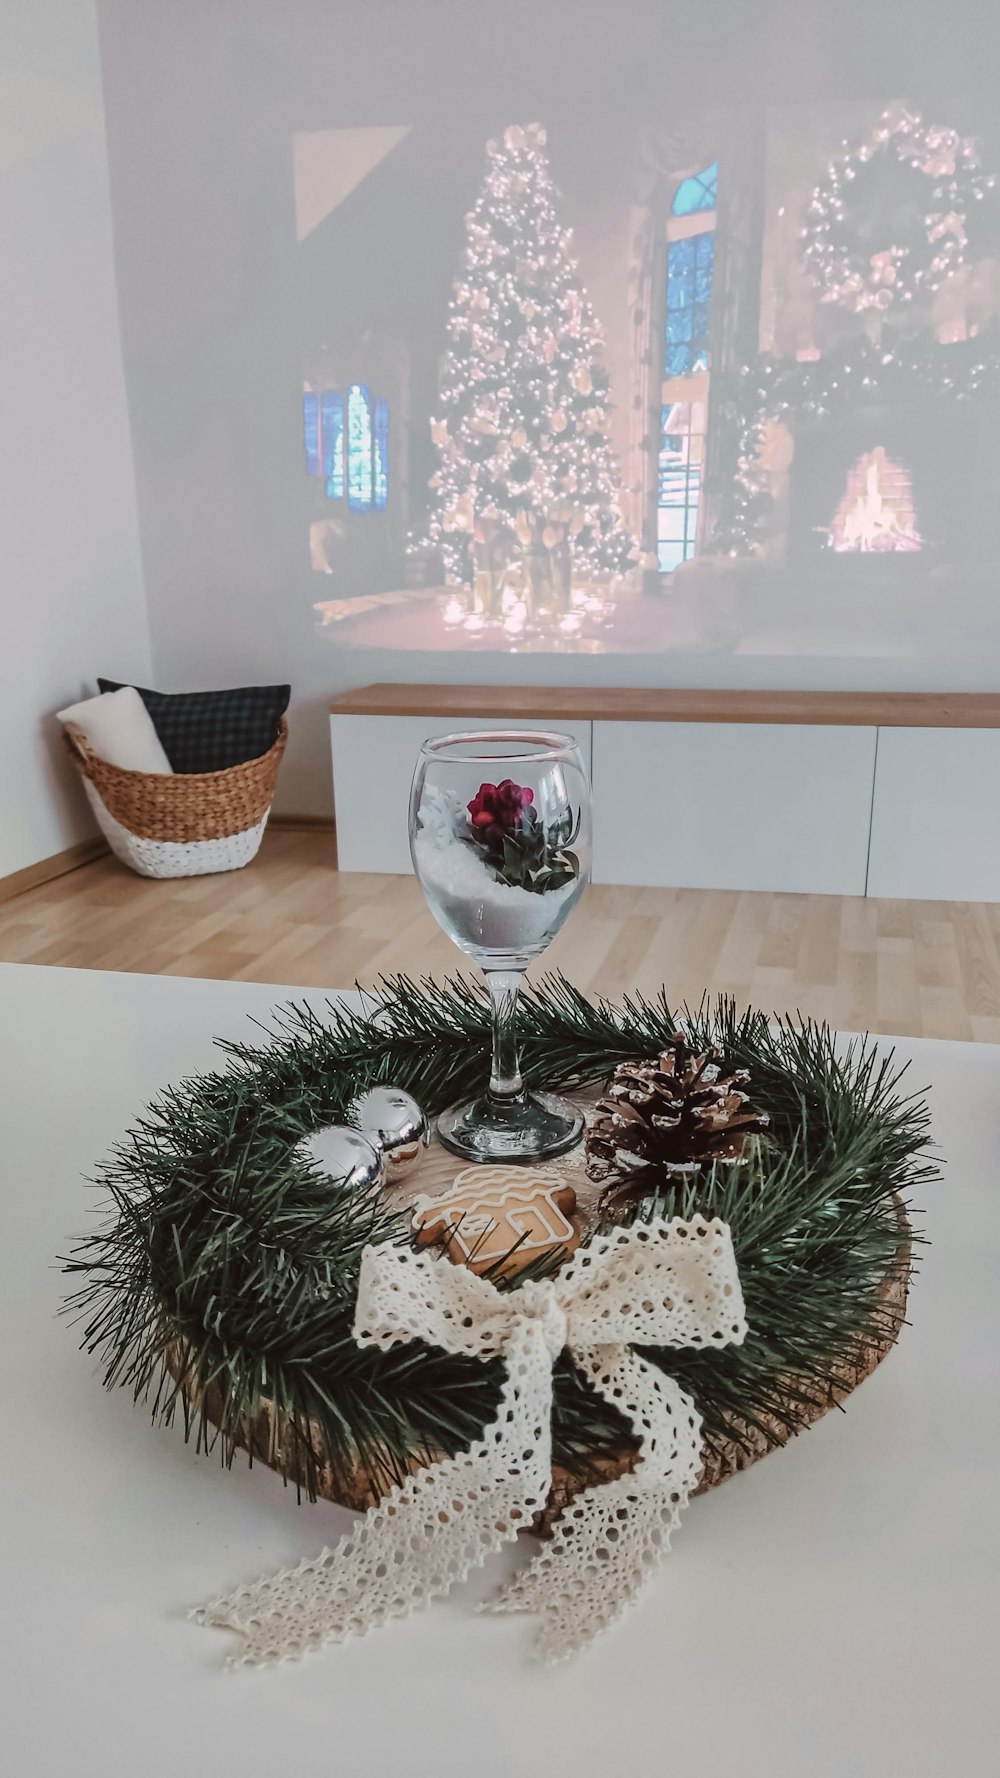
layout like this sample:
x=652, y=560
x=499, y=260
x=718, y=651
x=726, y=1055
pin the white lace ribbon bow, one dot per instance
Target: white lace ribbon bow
x=664, y=1283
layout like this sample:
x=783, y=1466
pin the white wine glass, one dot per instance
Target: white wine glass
x=500, y=836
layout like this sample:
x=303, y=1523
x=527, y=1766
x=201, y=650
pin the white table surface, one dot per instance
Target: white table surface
x=830, y=1614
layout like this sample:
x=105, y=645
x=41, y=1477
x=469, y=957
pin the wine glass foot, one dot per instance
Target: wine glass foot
x=531, y=1127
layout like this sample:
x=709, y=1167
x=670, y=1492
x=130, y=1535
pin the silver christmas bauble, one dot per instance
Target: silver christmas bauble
x=348, y=1156
x=394, y=1121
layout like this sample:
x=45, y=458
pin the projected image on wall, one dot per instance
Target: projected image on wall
x=588, y=389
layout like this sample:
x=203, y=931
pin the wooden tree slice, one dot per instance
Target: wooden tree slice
x=272, y=1438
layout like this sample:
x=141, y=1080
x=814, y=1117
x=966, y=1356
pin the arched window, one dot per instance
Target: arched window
x=696, y=193
x=349, y=455
x=690, y=261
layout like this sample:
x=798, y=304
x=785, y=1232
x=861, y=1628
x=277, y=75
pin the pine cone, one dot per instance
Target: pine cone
x=662, y=1121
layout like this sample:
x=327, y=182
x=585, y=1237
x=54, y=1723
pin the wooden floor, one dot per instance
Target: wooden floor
x=927, y=969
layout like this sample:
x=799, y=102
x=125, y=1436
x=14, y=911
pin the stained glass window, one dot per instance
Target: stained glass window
x=332, y=436
x=351, y=459
x=381, y=455
x=682, y=449
x=359, y=449
x=697, y=193
x=310, y=430
x=689, y=301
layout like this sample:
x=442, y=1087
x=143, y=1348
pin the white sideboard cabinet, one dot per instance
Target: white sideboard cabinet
x=703, y=805
x=837, y=793
x=936, y=815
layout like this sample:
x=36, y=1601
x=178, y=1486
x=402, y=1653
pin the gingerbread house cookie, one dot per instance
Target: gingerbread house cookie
x=499, y=1218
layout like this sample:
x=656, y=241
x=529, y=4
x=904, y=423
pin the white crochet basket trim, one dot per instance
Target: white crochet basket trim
x=666, y=1283
x=175, y=858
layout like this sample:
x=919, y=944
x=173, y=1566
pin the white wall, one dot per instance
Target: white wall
x=70, y=572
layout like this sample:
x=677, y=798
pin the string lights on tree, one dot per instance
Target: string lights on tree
x=524, y=459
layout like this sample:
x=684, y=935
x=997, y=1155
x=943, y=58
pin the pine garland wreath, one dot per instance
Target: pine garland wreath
x=524, y=457
x=891, y=217
x=224, y=1245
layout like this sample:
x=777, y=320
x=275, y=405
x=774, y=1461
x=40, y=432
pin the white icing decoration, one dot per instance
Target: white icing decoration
x=490, y=1212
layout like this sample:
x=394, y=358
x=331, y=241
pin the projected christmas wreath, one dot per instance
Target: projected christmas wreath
x=296, y=1320
x=891, y=218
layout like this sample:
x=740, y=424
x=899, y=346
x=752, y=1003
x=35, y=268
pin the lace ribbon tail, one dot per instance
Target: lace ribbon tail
x=426, y=1535
x=608, y=1542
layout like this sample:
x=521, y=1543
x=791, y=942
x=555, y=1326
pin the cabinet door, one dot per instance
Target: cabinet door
x=373, y=761
x=935, y=825
x=733, y=805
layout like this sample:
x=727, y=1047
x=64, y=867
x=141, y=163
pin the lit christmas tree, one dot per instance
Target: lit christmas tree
x=522, y=432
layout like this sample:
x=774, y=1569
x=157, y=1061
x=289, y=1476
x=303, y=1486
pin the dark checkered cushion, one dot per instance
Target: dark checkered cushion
x=205, y=731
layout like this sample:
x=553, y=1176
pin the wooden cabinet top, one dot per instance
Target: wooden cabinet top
x=535, y=703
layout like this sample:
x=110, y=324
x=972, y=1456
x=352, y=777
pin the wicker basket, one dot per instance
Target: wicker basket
x=181, y=824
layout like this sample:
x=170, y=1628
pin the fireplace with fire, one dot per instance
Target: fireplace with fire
x=876, y=513
x=887, y=485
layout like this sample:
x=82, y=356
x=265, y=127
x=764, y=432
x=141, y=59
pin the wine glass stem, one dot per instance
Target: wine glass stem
x=505, y=1076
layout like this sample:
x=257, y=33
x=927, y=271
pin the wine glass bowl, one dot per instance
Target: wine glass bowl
x=500, y=836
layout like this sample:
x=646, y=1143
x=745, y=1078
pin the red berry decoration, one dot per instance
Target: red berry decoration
x=516, y=845
x=500, y=805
